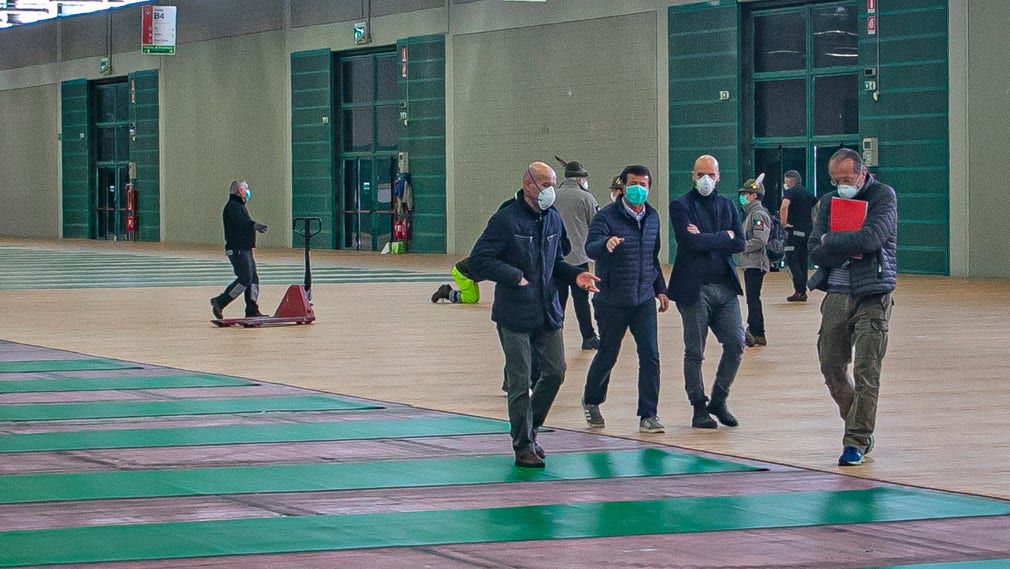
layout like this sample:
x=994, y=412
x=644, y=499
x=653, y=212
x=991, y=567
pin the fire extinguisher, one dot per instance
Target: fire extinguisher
x=131, y=212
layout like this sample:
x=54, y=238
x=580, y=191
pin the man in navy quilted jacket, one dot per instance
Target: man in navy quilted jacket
x=624, y=241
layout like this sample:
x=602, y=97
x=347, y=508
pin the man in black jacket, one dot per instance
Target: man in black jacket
x=624, y=241
x=858, y=271
x=796, y=214
x=239, y=241
x=521, y=251
x=705, y=287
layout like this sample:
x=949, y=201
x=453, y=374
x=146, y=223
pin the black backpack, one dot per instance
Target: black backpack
x=776, y=247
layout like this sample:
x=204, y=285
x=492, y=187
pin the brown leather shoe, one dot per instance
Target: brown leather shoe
x=797, y=297
x=527, y=458
x=539, y=450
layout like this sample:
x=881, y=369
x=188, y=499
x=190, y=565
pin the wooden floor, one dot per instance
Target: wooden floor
x=941, y=425
x=945, y=392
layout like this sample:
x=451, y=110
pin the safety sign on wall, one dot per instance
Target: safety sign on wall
x=158, y=30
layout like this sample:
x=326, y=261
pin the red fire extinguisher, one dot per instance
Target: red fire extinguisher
x=131, y=212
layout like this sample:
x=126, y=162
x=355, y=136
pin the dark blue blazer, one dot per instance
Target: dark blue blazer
x=696, y=252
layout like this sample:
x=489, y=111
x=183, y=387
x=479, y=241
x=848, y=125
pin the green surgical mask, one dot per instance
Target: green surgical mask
x=743, y=199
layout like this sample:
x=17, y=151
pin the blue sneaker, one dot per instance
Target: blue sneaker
x=851, y=456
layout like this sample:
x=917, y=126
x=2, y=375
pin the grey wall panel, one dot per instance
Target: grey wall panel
x=29, y=122
x=126, y=29
x=315, y=12
x=225, y=116
x=83, y=36
x=387, y=7
x=582, y=90
x=33, y=44
x=199, y=20
x=989, y=131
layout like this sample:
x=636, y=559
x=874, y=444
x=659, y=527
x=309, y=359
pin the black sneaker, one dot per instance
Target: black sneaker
x=216, y=308
x=592, y=343
x=256, y=314
x=442, y=293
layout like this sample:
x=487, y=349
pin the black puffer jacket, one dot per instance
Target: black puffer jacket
x=239, y=231
x=630, y=275
x=519, y=242
x=877, y=242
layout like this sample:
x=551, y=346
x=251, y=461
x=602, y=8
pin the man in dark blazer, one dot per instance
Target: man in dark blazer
x=705, y=287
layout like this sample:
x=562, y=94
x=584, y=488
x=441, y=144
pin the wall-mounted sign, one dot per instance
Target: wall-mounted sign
x=158, y=30
x=361, y=33
x=871, y=6
x=871, y=25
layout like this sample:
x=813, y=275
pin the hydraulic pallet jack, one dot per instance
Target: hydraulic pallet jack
x=295, y=307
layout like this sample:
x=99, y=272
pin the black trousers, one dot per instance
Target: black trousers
x=752, y=281
x=247, y=282
x=797, y=261
x=580, y=300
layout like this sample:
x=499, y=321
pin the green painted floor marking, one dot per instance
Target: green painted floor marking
x=120, y=409
x=289, y=534
x=119, y=383
x=355, y=476
x=357, y=429
x=93, y=364
x=987, y=564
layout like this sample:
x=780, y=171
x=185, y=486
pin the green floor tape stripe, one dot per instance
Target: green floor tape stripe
x=361, y=476
x=64, y=365
x=120, y=409
x=119, y=383
x=571, y=521
x=239, y=434
x=987, y=564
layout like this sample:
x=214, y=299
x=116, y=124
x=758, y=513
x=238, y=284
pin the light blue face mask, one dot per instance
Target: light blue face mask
x=847, y=192
x=743, y=200
x=248, y=194
x=636, y=195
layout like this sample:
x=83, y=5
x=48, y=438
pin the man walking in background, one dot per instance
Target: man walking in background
x=796, y=214
x=239, y=241
x=577, y=208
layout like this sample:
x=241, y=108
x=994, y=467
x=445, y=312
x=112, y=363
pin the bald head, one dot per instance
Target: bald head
x=706, y=165
x=538, y=176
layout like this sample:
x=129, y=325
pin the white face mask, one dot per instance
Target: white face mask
x=584, y=184
x=705, y=185
x=613, y=197
x=546, y=198
x=848, y=192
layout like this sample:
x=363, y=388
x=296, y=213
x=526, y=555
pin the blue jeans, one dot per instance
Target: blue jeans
x=527, y=413
x=613, y=322
x=717, y=308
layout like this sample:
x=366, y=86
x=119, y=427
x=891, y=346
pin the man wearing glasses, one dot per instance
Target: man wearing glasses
x=856, y=268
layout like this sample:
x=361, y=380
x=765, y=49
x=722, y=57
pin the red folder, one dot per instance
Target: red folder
x=847, y=215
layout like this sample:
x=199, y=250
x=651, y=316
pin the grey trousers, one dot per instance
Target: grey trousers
x=857, y=326
x=527, y=413
x=719, y=309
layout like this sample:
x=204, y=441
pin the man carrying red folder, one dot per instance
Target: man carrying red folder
x=853, y=243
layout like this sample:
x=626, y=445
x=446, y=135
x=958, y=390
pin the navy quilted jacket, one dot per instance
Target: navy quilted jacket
x=631, y=274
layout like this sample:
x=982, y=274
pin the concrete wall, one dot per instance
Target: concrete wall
x=225, y=116
x=988, y=132
x=581, y=90
x=29, y=123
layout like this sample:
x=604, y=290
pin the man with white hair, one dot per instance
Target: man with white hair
x=239, y=241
